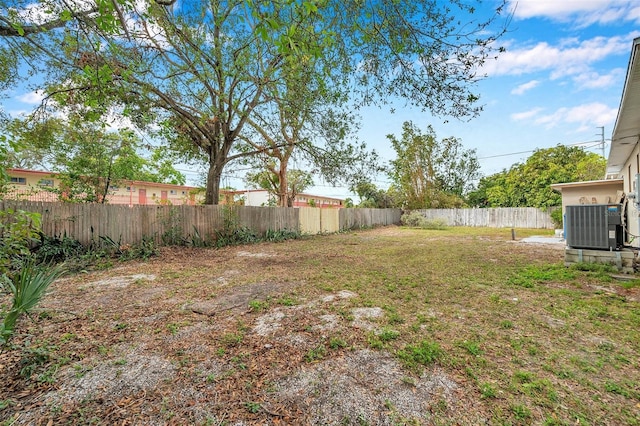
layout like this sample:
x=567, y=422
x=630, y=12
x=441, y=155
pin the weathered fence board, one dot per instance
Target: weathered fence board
x=502, y=217
x=129, y=225
x=309, y=220
x=364, y=218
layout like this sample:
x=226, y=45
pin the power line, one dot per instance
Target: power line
x=534, y=150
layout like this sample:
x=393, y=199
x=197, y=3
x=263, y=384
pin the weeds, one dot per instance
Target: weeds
x=258, y=305
x=531, y=275
x=315, y=354
x=337, y=343
x=424, y=353
x=415, y=219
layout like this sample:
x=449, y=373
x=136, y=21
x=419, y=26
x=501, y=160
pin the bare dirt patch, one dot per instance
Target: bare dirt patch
x=238, y=298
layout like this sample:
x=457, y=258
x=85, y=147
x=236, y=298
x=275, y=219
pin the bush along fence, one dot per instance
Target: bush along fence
x=126, y=225
x=503, y=217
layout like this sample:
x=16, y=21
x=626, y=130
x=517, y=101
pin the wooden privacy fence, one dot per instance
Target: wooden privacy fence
x=501, y=217
x=128, y=225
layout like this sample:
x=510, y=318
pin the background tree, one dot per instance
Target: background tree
x=373, y=197
x=428, y=173
x=297, y=182
x=87, y=157
x=528, y=184
x=202, y=70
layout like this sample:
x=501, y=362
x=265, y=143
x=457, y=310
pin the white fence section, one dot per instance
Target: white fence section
x=502, y=217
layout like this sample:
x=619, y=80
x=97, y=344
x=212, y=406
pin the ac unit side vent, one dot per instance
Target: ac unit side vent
x=594, y=226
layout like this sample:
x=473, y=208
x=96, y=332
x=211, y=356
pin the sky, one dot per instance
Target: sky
x=559, y=82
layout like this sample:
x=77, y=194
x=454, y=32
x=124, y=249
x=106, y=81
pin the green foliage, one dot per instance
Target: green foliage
x=232, y=232
x=528, y=184
x=252, y=407
x=372, y=197
x=520, y=411
x=89, y=159
x=387, y=334
x=487, y=390
x=291, y=50
x=597, y=268
x=316, y=353
x=143, y=250
x=27, y=288
x=415, y=219
x=284, y=186
x=19, y=231
x=337, y=343
x=424, y=353
x=59, y=249
x=281, y=235
x=258, y=305
x=531, y=275
x=172, y=224
x=429, y=173
x=556, y=218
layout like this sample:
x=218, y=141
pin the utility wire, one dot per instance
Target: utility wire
x=534, y=150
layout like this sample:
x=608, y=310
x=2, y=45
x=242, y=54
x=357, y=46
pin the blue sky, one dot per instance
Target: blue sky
x=559, y=81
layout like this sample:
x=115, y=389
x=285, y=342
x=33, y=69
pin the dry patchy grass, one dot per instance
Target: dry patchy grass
x=382, y=327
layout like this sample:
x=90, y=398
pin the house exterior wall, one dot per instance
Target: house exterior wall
x=31, y=185
x=260, y=197
x=629, y=171
x=256, y=198
x=601, y=194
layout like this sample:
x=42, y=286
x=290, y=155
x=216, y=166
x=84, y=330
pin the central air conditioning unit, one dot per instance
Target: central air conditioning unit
x=594, y=226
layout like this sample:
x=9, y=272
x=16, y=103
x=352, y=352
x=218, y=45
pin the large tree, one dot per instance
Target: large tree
x=202, y=68
x=429, y=173
x=528, y=184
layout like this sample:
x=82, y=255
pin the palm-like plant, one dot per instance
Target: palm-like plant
x=28, y=286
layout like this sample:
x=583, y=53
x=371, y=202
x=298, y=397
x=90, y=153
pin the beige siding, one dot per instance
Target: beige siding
x=633, y=214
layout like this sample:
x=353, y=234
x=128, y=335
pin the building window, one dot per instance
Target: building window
x=184, y=192
x=173, y=192
x=45, y=182
x=19, y=180
x=130, y=188
x=113, y=187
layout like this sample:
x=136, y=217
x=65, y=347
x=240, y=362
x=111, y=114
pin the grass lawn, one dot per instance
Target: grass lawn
x=383, y=326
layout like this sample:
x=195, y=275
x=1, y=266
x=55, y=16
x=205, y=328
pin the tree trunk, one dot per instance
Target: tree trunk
x=214, y=176
x=283, y=191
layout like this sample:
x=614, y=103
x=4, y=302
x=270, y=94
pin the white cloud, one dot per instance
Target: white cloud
x=525, y=87
x=18, y=113
x=594, y=80
x=579, y=13
x=585, y=116
x=568, y=57
x=519, y=116
x=31, y=98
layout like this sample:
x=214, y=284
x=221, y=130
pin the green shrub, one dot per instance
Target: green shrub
x=281, y=235
x=19, y=232
x=416, y=220
x=58, y=249
x=556, y=218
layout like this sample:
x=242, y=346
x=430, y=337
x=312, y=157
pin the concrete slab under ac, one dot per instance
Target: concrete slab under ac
x=544, y=240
